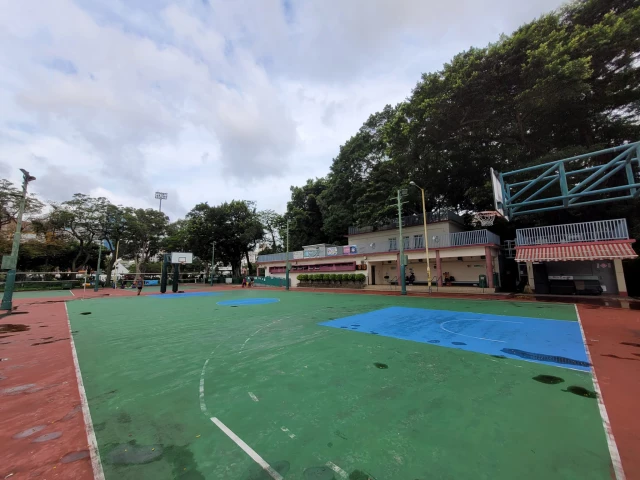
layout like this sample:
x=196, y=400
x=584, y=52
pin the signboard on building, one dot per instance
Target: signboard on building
x=297, y=255
x=332, y=251
x=311, y=253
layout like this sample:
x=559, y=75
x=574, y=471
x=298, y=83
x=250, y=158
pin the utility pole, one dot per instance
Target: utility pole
x=213, y=256
x=161, y=196
x=403, y=283
x=426, y=235
x=10, y=262
x=288, y=266
x=97, y=283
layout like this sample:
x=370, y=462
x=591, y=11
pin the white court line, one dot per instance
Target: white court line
x=203, y=405
x=71, y=291
x=288, y=432
x=475, y=320
x=247, y=449
x=611, y=442
x=96, y=464
x=337, y=469
x=253, y=397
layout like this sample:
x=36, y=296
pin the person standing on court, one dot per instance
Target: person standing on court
x=139, y=284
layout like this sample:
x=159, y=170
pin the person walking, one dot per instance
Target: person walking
x=139, y=284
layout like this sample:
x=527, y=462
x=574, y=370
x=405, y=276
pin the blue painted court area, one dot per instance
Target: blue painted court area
x=551, y=342
x=247, y=301
x=186, y=294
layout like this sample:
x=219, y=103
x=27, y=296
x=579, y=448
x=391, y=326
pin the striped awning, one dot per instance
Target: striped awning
x=567, y=251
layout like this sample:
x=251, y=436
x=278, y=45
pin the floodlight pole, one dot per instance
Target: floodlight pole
x=213, y=255
x=12, y=260
x=287, y=265
x=97, y=283
x=426, y=234
x=161, y=196
x=403, y=283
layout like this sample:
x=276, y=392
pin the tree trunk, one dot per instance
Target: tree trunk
x=246, y=256
x=74, y=262
x=109, y=268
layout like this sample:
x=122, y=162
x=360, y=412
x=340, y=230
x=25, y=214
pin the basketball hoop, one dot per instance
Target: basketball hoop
x=485, y=218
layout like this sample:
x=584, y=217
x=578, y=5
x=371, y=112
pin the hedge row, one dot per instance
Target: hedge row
x=332, y=277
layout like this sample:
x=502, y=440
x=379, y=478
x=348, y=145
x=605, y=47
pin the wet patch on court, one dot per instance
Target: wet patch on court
x=548, y=379
x=581, y=391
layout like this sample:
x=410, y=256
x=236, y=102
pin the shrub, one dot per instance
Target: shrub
x=303, y=277
x=317, y=277
x=360, y=277
x=352, y=277
x=334, y=277
x=339, y=277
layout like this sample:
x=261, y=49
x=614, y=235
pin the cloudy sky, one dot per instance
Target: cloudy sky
x=213, y=100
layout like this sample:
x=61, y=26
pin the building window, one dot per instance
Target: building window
x=418, y=241
x=405, y=243
x=393, y=244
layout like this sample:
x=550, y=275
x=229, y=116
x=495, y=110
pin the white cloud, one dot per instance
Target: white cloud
x=213, y=101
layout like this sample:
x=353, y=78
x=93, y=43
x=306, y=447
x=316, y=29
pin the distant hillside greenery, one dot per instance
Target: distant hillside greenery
x=564, y=84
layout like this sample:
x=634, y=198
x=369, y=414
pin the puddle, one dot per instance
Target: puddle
x=75, y=456
x=381, y=366
x=548, y=379
x=580, y=391
x=13, y=327
x=85, y=313
x=29, y=431
x=47, y=437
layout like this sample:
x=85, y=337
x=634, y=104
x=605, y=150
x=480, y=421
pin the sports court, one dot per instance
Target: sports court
x=260, y=384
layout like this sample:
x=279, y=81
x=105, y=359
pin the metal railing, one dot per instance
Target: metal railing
x=460, y=239
x=409, y=221
x=574, y=232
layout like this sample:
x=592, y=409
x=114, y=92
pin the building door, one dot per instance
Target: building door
x=540, y=278
x=606, y=273
x=373, y=275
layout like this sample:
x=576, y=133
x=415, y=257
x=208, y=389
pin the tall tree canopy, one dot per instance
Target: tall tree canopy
x=566, y=83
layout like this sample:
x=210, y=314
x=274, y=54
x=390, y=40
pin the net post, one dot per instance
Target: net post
x=165, y=272
x=176, y=277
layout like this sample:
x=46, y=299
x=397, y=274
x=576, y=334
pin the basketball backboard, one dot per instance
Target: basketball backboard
x=181, y=257
x=498, y=194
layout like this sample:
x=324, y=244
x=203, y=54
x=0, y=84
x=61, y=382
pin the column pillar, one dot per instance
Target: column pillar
x=530, y=279
x=622, y=285
x=439, y=268
x=489, y=262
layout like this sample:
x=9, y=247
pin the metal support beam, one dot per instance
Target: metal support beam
x=623, y=169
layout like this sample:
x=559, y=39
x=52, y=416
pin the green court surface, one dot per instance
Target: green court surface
x=302, y=395
x=43, y=294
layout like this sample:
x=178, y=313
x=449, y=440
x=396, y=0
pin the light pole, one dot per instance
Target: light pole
x=213, y=255
x=161, y=196
x=10, y=262
x=287, y=265
x=426, y=235
x=403, y=281
x=97, y=283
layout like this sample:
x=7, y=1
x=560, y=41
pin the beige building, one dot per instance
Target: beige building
x=458, y=258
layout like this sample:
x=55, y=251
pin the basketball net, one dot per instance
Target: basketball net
x=486, y=218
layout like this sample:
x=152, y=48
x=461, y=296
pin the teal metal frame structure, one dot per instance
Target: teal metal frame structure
x=571, y=182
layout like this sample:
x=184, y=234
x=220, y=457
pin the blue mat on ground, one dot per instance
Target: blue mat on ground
x=185, y=294
x=551, y=342
x=247, y=301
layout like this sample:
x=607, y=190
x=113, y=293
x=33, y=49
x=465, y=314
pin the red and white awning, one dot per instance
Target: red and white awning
x=577, y=251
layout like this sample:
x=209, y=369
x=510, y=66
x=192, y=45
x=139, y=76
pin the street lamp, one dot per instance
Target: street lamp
x=213, y=255
x=10, y=262
x=161, y=196
x=287, y=264
x=426, y=235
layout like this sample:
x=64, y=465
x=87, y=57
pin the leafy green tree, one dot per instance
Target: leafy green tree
x=83, y=218
x=235, y=227
x=143, y=234
x=10, y=198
